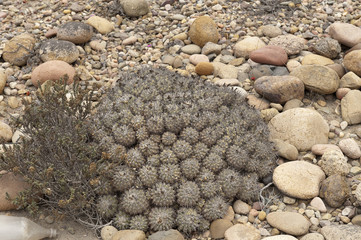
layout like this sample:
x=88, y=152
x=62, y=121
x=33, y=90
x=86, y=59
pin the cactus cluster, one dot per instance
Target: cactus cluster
x=180, y=150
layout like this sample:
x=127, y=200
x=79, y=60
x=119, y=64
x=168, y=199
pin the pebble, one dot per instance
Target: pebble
x=130, y=40
x=75, y=32
x=352, y=61
x=210, y=48
x=290, y=43
x=335, y=190
x=218, y=227
x=320, y=149
x=341, y=232
x=191, y=49
x=107, y=232
x=319, y=79
x=280, y=89
x=314, y=59
x=289, y=125
x=197, y=58
x=101, y=24
x=3, y=78
x=203, y=30
x=318, y=203
x=16, y=55
x=242, y=231
x=244, y=47
x=298, y=179
x=350, y=80
x=166, y=235
x=204, y=68
x=286, y=150
x=272, y=55
x=58, y=50
x=280, y=237
x=334, y=162
x=134, y=8
x=241, y=207
x=351, y=107
x=289, y=222
x=327, y=47
x=345, y=33
x=52, y=70
x=129, y=235
x=312, y=236
x=350, y=148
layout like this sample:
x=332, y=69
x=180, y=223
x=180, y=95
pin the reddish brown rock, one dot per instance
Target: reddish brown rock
x=51, y=33
x=204, y=68
x=273, y=55
x=341, y=92
x=203, y=30
x=52, y=70
x=13, y=185
x=280, y=89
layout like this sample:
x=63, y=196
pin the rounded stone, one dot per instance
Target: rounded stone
x=134, y=8
x=350, y=148
x=280, y=89
x=11, y=185
x=352, y=62
x=3, y=79
x=298, y=179
x=338, y=68
x=59, y=50
x=241, y=207
x=301, y=127
x=242, y=231
x=204, y=68
x=75, y=32
x=218, y=228
x=334, y=162
x=335, y=190
x=6, y=132
x=351, y=107
x=191, y=49
x=18, y=49
x=271, y=31
x=210, y=48
x=312, y=236
x=290, y=43
x=107, y=232
x=342, y=231
x=327, y=47
x=320, y=149
x=350, y=80
x=102, y=25
x=319, y=79
x=345, y=33
x=314, y=59
x=272, y=55
x=52, y=70
x=286, y=150
x=341, y=92
x=197, y=58
x=244, y=47
x=129, y=235
x=203, y=30
x=166, y=235
x=289, y=222
x=318, y=204
x=280, y=237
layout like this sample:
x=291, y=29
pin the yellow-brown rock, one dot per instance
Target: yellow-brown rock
x=204, y=68
x=203, y=30
x=18, y=49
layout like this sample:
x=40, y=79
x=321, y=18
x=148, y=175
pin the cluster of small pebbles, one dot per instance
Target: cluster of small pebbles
x=297, y=62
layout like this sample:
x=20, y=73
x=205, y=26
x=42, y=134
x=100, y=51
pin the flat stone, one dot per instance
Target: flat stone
x=301, y=127
x=350, y=148
x=225, y=71
x=102, y=25
x=203, y=30
x=197, y=58
x=314, y=59
x=345, y=33
x=289, y=222
x=344, y=232
x=12, y=185
x=272, y=55
x=98, y=45
x=271, y=31
x=334, y=162
x=166, y=235
x=58, y=50
x=257, y=103
x=290, y=43
x=191, y=49
x=352, y=61
x=242, y=232
x=129, y=235
x=335, y=190
x=218, y=228
x=75, y=32
x=244, y=47
x=351, y=107
x=130, y=40
x=293, y=103
x=210, y=48
x=317, y=203
x=319, y=79
x=320, y=149
x=280, y=89
x=298, y=179
x=286, y=150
